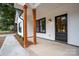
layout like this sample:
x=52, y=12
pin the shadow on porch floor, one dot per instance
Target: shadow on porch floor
x=51, y=48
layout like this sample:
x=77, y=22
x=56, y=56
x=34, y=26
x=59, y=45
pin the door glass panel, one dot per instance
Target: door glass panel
x=61, y=24
x=58, y=24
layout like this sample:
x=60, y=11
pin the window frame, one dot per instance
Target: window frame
x=20, y=29
x=39, y=26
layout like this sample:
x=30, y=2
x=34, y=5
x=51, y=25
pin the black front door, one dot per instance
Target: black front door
x=61, y=28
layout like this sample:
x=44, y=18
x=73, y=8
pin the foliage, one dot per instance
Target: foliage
x=7, y=16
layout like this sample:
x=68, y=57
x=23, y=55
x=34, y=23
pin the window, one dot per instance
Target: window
x=20, y=30
x=41, y=25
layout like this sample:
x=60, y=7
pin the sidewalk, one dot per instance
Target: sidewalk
x=11, y=47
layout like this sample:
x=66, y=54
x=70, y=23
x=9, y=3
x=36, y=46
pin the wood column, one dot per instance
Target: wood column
x=25, y=26
x=34, y=25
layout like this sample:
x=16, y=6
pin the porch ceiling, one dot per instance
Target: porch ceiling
x=30, y=7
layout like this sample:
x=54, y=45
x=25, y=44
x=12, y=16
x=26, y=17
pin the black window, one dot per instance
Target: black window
x=20, y=30
x=41, y=25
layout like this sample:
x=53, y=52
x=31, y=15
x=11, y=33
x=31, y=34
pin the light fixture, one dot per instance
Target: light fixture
x=49, y=20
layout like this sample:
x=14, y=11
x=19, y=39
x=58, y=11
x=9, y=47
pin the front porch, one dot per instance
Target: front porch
x=44, y=47
x=38, y=31
x=52, y=48
x=49, y=21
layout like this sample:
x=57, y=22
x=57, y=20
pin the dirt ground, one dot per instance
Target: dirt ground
x=1, y=41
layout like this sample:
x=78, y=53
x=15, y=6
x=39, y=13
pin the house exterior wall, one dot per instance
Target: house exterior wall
x=50, y=11
x=29, y=25
x=20, y=21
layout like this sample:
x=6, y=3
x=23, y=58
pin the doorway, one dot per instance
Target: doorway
x=61, y=28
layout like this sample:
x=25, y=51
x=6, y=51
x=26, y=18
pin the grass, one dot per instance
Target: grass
x=6, y=32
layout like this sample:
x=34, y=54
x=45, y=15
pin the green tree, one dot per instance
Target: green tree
x=7, y=16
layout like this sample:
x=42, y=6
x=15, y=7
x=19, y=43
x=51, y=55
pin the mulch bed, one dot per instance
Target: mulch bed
x=1, y=41
x=20, y=40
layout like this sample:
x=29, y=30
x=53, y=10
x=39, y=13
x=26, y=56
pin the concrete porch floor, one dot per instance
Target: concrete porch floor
x=43, y=48
x=51, y=48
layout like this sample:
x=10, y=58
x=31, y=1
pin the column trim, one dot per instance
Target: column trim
x=25, y=26
x=34, y=25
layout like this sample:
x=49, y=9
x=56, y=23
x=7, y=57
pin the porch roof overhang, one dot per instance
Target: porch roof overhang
x=30, y=5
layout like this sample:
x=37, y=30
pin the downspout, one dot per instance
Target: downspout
x=21, y=14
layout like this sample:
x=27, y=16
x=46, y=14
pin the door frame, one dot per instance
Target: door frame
x=66, y=27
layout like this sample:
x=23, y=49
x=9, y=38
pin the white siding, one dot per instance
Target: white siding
x=19, y=20
x=52, y=10
x=29, y=26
